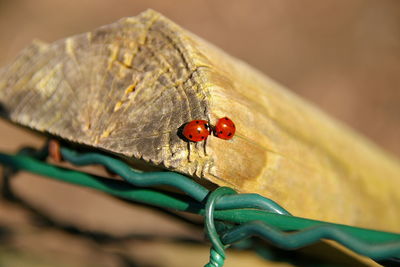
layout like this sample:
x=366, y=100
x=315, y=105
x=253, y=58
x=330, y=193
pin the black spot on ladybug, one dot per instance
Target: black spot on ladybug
x=197, y=122
x=220, y=132
x=202, y=137
x=190, y=136
x=229, y=134
x=198, y=130
x=226, y=118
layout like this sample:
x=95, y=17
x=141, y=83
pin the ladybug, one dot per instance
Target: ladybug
x=225, y=128
x=197, y=130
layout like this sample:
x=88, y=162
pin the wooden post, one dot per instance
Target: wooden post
x=127, y=88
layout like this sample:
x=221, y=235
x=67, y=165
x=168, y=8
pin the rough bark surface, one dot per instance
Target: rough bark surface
x=127, y=88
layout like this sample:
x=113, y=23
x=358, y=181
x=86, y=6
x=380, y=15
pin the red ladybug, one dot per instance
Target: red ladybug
x=197, y=130
x=225, y=128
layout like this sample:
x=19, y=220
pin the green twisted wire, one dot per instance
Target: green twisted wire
x=173, y=179
x=308, y=236
x=270, y=222
x=217, y=253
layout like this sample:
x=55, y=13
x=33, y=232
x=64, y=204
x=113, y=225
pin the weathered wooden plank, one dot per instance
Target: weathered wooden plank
x=128, y=87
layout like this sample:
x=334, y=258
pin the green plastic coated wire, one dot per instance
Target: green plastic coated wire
x=308, y=236
x=173, y=179
x=217, y=253
x=256, y=214
x=142, y=179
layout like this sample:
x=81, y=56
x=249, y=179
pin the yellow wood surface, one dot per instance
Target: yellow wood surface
x=290, y=151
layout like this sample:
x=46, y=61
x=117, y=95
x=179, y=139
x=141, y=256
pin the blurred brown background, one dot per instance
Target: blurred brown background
x=343, y=55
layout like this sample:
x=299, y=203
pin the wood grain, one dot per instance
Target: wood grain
x=128, y=87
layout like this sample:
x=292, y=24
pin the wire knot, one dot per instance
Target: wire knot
x=217, y=252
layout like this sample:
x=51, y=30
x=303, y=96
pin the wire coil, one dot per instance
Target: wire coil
x=217, y=253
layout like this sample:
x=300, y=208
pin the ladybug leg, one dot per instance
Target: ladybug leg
x=188, y=149
x=200, y=146
x=205, y=147
x=54, y=150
